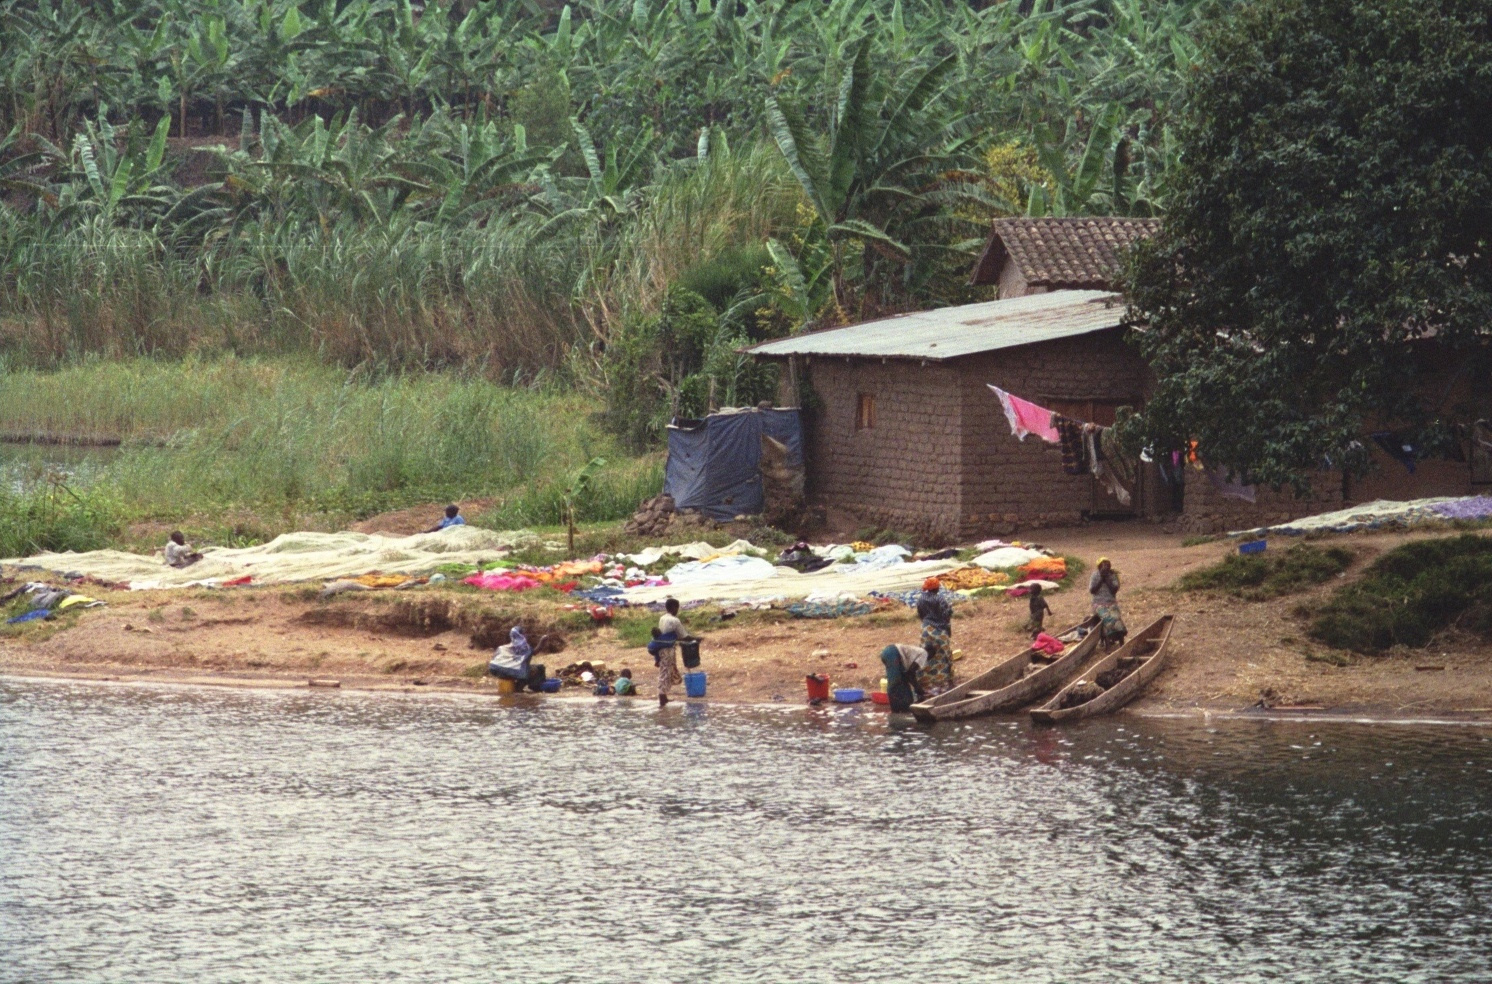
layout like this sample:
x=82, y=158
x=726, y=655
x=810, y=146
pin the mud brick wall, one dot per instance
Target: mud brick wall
x=902, y=473
x=1009, y=483
x=1209, y=511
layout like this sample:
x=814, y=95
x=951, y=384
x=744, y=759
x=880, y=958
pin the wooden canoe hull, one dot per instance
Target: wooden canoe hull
x=1121, y=693
x=1003, y=688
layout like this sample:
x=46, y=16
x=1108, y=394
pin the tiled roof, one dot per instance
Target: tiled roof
x=1081, y=254
x=952, y=332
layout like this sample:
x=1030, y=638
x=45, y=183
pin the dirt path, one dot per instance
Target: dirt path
x=1224, y=651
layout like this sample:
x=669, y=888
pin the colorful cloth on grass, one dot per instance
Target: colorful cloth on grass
x=36, y=614
x=1045, y=569
x=841, y=608
x=1026, y=417
x=1473, y=507
x=501, y=581
x=938, y=644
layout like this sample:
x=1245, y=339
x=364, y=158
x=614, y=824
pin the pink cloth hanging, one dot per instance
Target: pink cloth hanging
x=1026, y=417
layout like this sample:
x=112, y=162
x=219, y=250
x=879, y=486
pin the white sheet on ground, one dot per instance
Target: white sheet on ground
x=730, y=569
x=1002, y=558
x=697, y=550
x=294, y=557
x=1365, y=516
x=787, y=583
x=881, y=557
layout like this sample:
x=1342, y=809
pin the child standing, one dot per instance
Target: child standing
x=1039, y=609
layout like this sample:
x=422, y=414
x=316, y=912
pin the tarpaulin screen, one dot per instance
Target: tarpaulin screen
x=714, y=464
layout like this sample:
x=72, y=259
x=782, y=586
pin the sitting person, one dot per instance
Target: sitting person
x=511, y=660
x=453, y=518
x=624, y=686
x=800, y=557
x=904, y=666
x=179, y=553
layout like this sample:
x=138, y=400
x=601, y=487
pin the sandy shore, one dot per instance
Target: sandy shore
x=1224, y=651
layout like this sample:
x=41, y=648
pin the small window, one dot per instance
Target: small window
x=865, y=414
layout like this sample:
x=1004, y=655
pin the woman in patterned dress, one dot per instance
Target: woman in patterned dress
x=936, y=613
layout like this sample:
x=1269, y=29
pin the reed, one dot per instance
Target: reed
x=287, y=439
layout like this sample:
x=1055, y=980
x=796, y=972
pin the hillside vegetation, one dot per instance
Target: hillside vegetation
x=518, y=184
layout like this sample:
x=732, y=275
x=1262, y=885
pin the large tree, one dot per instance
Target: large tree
x=1327, y=234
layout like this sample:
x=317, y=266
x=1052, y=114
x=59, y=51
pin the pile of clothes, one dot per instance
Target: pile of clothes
x=972, y=578
x=47, y=600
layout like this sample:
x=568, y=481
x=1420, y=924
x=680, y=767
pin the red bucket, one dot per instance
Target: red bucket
x=818, y=686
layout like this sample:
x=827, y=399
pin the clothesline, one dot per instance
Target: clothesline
x=1089, y=448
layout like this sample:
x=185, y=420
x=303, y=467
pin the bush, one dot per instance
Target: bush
x=1257, y=577
x=54, y=519
x=1411, y=593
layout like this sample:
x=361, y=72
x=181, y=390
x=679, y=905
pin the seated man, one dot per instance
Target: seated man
x=453, y=518
x=179, y=553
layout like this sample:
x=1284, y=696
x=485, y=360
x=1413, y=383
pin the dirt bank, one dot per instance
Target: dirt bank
x=1225, y=651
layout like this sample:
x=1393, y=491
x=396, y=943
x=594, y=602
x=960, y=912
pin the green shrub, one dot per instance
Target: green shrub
x=1257, y=577
x=1411, y=593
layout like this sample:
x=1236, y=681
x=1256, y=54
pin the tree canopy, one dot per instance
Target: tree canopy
x=1326, y=238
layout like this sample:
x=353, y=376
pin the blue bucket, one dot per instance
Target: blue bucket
x=694, y=684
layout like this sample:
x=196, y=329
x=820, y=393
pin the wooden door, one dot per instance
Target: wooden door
x=1103, y=413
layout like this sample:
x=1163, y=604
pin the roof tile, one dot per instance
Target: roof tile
x=1066, y=253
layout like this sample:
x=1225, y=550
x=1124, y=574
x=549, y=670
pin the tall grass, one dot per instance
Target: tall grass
x=290, y=440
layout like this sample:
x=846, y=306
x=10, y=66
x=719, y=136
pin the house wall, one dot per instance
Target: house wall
x=1009, y=483
x=1209, y=511
x=902, y=473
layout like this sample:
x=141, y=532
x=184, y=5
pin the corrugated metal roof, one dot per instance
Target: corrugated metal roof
x=948, y=333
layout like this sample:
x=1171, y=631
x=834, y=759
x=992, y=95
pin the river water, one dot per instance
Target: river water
x=173, y=834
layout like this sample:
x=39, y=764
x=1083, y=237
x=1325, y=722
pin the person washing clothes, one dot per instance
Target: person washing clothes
x=179, y=553
x=904, y=666
x=453, y=518
x=1103, y=585
x=936, y=612
x=664, y=647
x=1039, y=609
x=512, y=658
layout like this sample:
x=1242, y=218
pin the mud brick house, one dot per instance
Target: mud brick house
x=902, y=431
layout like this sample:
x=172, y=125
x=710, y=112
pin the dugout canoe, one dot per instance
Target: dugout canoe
x=1005, y=688
x=1147, y=647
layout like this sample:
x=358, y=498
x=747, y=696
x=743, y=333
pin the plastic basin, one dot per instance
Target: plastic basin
x=879, y=697
x=849, y=695
x=551, y=686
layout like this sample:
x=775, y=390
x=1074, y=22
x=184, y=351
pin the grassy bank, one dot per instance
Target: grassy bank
x=244, y=449
x=1411, y=594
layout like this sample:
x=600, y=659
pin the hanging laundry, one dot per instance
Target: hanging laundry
x=1232, y=488
x=1102, y=469
x=1114, y=456
x=1070, y=435
x=1403, y=451
x=1026, y=417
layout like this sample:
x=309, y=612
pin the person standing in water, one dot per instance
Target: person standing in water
x=1103, y=585
x=664, y=648
x=936, y=612
x=904, y=665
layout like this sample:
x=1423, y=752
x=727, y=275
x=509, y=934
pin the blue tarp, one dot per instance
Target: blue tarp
x=714, y=464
